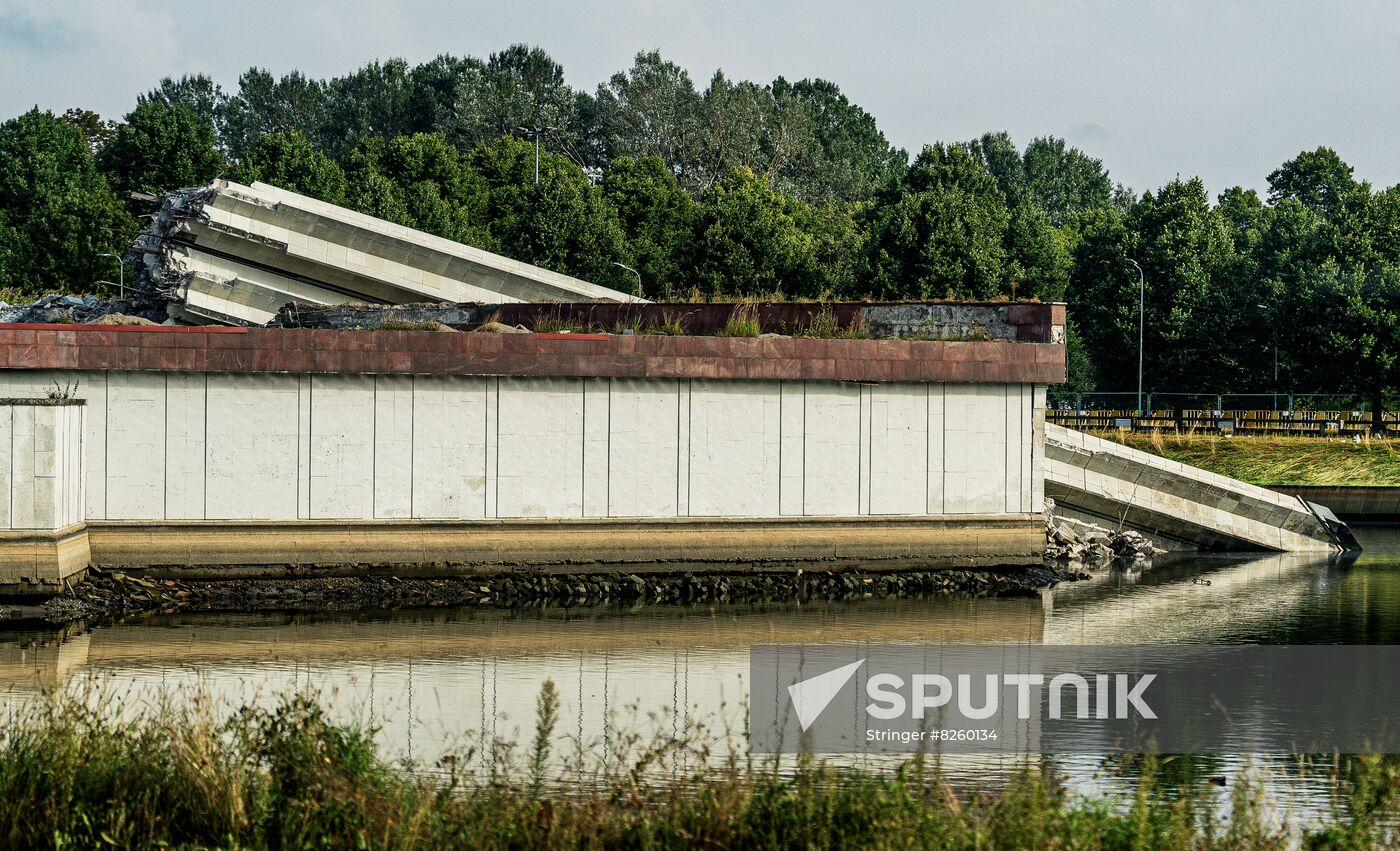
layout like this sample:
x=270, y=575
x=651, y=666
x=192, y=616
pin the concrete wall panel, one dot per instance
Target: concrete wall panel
x=936, y=440
x=792, y=451
x=734, y=448
x=41, y=479
x=898, y=449
x=136, y=424
x=974, y=461
x=643, y=448
x=342, y=446
x=831, y=454
x=393, y=446
x=449, y=447
x=597, y=416
x=185, y=449
x=540, y=455
x=185, y=445
x=6, y=461
x=252, y=453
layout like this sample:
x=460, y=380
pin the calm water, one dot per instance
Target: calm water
x=430, y=679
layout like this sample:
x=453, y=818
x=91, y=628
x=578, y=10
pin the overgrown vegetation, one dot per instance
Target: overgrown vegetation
x=1278, y=460
x=290, y=777
x=736, y=188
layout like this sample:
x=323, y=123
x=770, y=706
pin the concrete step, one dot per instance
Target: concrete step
x=1185, y=507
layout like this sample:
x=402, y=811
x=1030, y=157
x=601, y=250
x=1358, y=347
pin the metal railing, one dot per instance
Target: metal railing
x=1218, y=421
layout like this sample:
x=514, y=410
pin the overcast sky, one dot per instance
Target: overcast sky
x=1224, y=89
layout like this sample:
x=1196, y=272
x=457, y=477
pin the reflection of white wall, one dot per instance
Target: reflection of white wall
x=275, y=446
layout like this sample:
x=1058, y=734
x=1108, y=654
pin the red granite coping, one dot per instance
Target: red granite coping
x=147, y=329
x=286, y=350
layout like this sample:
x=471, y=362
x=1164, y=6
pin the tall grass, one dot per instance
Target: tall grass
x=1265, y=460
x=742, y=321
x=290, y=777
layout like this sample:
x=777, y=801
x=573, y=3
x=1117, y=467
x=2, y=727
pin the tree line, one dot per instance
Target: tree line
x=738, y=189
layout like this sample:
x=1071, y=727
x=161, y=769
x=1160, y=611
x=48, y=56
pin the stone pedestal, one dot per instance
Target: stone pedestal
x=43, y=536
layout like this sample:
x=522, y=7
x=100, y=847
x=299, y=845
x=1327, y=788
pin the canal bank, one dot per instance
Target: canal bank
x=115, y=595
x=429, y=679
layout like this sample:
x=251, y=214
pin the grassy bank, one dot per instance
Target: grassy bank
x=1278, y=460
x=290, y=778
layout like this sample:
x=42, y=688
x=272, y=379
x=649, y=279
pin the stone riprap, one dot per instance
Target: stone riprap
x=1176, y=502
x=233, y=254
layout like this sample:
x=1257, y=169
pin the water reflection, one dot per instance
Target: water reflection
x=427, y=678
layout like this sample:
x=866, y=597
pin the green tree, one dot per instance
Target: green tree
x=732, y=120
x=1081, y=373
x=1194, y=321
x=653, y=110
x=1037, y=257
x=940, y=232
x=657, y=216
x=521, y=86
x=820, y=147
x=1383, y=221
x=160, y=148
x=562, y=223
x=1103, y=295
x=433, y=91
x=1353, y=318
x=96, y=132
x=57, y=212
x=999, y=155
x=290, y=161
x=196, y=92
x=422, y=182
x=266, y=104
x=1063, y=179
x=750, y=239
x=1318, y=179
x=373, y=102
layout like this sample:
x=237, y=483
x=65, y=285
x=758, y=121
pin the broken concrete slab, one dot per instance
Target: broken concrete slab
x=233, y=254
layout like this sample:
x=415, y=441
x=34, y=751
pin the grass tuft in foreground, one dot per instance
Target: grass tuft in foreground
x=290, y=777
x=1267, y=461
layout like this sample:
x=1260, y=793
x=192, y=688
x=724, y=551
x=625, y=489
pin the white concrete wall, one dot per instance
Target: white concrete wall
x=41, y=466
x=273, y=446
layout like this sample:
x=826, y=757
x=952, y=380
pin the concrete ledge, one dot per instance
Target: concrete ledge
x=1354, y=502
x=326, y=352
x=225, y=549
x=37, y=561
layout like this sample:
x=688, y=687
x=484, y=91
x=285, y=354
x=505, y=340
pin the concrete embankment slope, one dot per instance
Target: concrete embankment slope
x=1182, y=506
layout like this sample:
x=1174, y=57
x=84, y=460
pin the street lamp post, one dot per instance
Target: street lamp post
x=1142, y=324
x=121, y=272
x=1274, y=326
x=633, y=271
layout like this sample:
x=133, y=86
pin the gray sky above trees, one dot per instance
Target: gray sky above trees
x=1227, y=89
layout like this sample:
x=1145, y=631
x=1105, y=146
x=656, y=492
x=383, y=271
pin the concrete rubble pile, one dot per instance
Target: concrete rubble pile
x=233, y=254
x=1071, y=540
x=85, y=310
